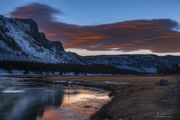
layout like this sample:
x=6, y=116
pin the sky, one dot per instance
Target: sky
x=94, y=27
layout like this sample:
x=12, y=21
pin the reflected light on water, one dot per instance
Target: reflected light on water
x=77, y=104
x=82, y=95
x=51, y=113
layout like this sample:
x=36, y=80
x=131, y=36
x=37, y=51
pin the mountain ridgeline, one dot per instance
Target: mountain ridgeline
x=139, y=63
x=20, y=40
x=23, y=47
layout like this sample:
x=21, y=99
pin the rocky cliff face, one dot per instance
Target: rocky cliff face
x=20, y=40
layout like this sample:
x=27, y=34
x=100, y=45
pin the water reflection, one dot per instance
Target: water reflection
x=75, y=94
x=21, y=101
x=79, y=103
x=29, y=100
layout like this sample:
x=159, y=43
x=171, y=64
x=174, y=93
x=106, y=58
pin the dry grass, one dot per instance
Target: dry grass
x=144, y=101
x=134, y=79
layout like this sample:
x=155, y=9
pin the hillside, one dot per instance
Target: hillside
x=139, y=63
x=20, y=40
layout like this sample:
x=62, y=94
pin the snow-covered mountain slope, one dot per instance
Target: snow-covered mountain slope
x=139, y=63
x=20, y=40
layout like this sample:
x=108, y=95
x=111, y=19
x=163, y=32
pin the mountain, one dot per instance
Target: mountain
x=20, y=40
x=139, y=63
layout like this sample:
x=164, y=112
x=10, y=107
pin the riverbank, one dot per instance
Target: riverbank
x=133, y=97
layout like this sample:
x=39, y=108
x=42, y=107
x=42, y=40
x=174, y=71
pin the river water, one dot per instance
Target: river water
x=26, y=99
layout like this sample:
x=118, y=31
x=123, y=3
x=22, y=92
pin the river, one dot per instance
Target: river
x=27, y=99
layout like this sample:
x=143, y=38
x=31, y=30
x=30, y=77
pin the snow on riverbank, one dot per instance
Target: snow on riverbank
x=23, y=72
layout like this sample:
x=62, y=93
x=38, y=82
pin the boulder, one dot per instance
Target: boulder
x=163, y=82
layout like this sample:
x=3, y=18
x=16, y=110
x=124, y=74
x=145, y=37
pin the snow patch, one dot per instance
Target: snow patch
x=12, y=90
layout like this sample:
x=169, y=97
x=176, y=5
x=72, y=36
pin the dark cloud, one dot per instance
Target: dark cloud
x=41, y=13
x=156, y=35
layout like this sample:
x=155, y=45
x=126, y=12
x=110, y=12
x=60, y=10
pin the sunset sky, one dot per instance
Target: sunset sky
x=93, y=27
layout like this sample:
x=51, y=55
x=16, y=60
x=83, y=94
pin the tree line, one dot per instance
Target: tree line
x=62, y=68
x=173, y=69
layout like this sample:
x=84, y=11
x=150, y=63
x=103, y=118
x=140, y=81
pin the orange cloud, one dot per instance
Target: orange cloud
x=155, y=35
